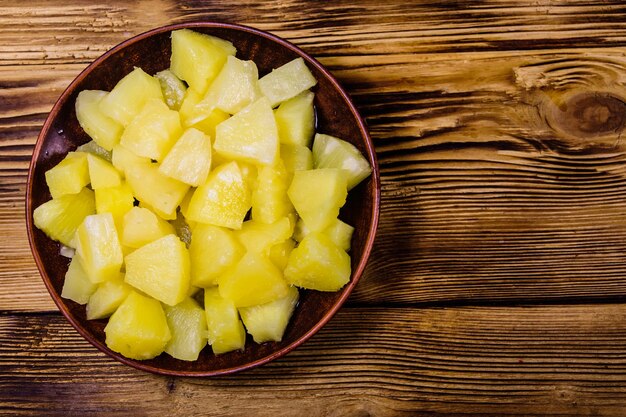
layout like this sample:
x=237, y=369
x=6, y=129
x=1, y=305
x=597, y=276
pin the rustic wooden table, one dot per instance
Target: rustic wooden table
x=498, y=280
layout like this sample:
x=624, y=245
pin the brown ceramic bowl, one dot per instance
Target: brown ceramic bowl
x=336, y=115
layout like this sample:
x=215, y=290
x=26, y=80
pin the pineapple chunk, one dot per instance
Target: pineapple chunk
x=77, y=286
x=102, y=173
x=115, y=200
x=68, y=176
x=99, y=248
x=124, y=159
x=295, y=119
x=267, y=322
x=296, y=158
x=163, y=194
x=141, y=226
x=226, y=331
x=138, y=328
x=286, y=81
x=104, y=130
x=212, y=251
x=269, y=198
x=318, y=264
x=279, y=253
x=254, y=280
x=235, y=87
x=198, y=58
x=190, y=116
x=107, y=298
x=250, y=135
x=129, y=96
x=331, y=152
x=93, y=148
x=260, y=237
x=317, y=195
x=160, y=269
x=187, y=322
x=223, y=200
x=172, y=87
x=339, y=232
x=153, y=131
x=189, y=160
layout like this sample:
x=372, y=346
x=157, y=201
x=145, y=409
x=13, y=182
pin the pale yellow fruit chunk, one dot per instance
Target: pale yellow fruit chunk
x=141, y=226
x=102, y=173
x=287, y=81
x=138, y=328
x=332, y=152
x=68, y=176
x=250, y=135
x=130, y=95
x=189, y=160
x=296, y=158
x=77, y=286
x=160, y=269
x=318, y=264
x=223, y=200
x=338, y=231
x=60, y=217
x=104, y=130
x=212, y=251
x=124, y=159
x=295, y=119
x=115, y=200
x=260, y=237
x=254, y=280
x=190, y=116
x=107, y=298
x=269, y=198
x=225, y=330
x=187, y=323
x=279, y=253
x=153, y=131
x=198, y=58
x=267, y=322
x=99, y=248
x=172, y=87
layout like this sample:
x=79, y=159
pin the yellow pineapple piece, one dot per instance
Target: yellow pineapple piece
x=124, y=159
x=279, y=253
x=77, y=286
x=163, y=194
x=99, y=248
x=234, y=88
x=160, y=269
x=295, y=119
x=296, y=158
x=68, y=176
x=223, y=200
x=153, y=131
x=115, y=200
x=287, y=81
x=269, y=198
x=187, y=323
x=102, y=173
x=267, y=322
x=172, y=87
x=104, y=130
x=317, y=195
x=339, y=232
x=129, y=96
x=332, y=152
x=198, y=58
x=189, y=160
x=212, y=251
x=107, y=298
x=141, y=226
x=253, y=280
x=260, y=237
x=191, y=116
x=250, y=135
x=226, y=332
x=60, y=217
x=93, y=148
x=138, y=328
x=318, y=264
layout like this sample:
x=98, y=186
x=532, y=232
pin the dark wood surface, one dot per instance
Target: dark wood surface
x=497, y=284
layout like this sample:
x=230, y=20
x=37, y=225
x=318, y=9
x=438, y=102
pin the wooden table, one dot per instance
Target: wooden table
x=498, y=280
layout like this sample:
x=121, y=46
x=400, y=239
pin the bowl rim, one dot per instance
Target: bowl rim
x=356, y=273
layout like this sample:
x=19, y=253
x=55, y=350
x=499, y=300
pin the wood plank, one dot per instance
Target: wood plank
x=489, y=361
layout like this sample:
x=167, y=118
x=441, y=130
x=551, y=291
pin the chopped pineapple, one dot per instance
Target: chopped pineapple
x=318, y=264
x=60, y=217
x=286, y=81
x=267, y=322
x=331, y=152
x=295, y=119
x=198, y=58
x=77, y=286
x=172, y=87
x=153, y=131
x=189, y=160
x=269, y=198
x=124, y=159
x=160, y=269
x=107, y=298
x=141, y=226
x=226, y=331
x=339, y=232
x=187, y=323
x=260, y=237
x=317, y=195
x=250, y=135
x=104, y=130
x=279, y=253
x=138, y=328
x=129, y=95
x=93, y=148
x=296, y=158
x=115, y=200
x=212, y=251
x=102, y=173
x=99, y=248
x=254, y=280
x=190, y=116
x=68, y=176
x=223, y=200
